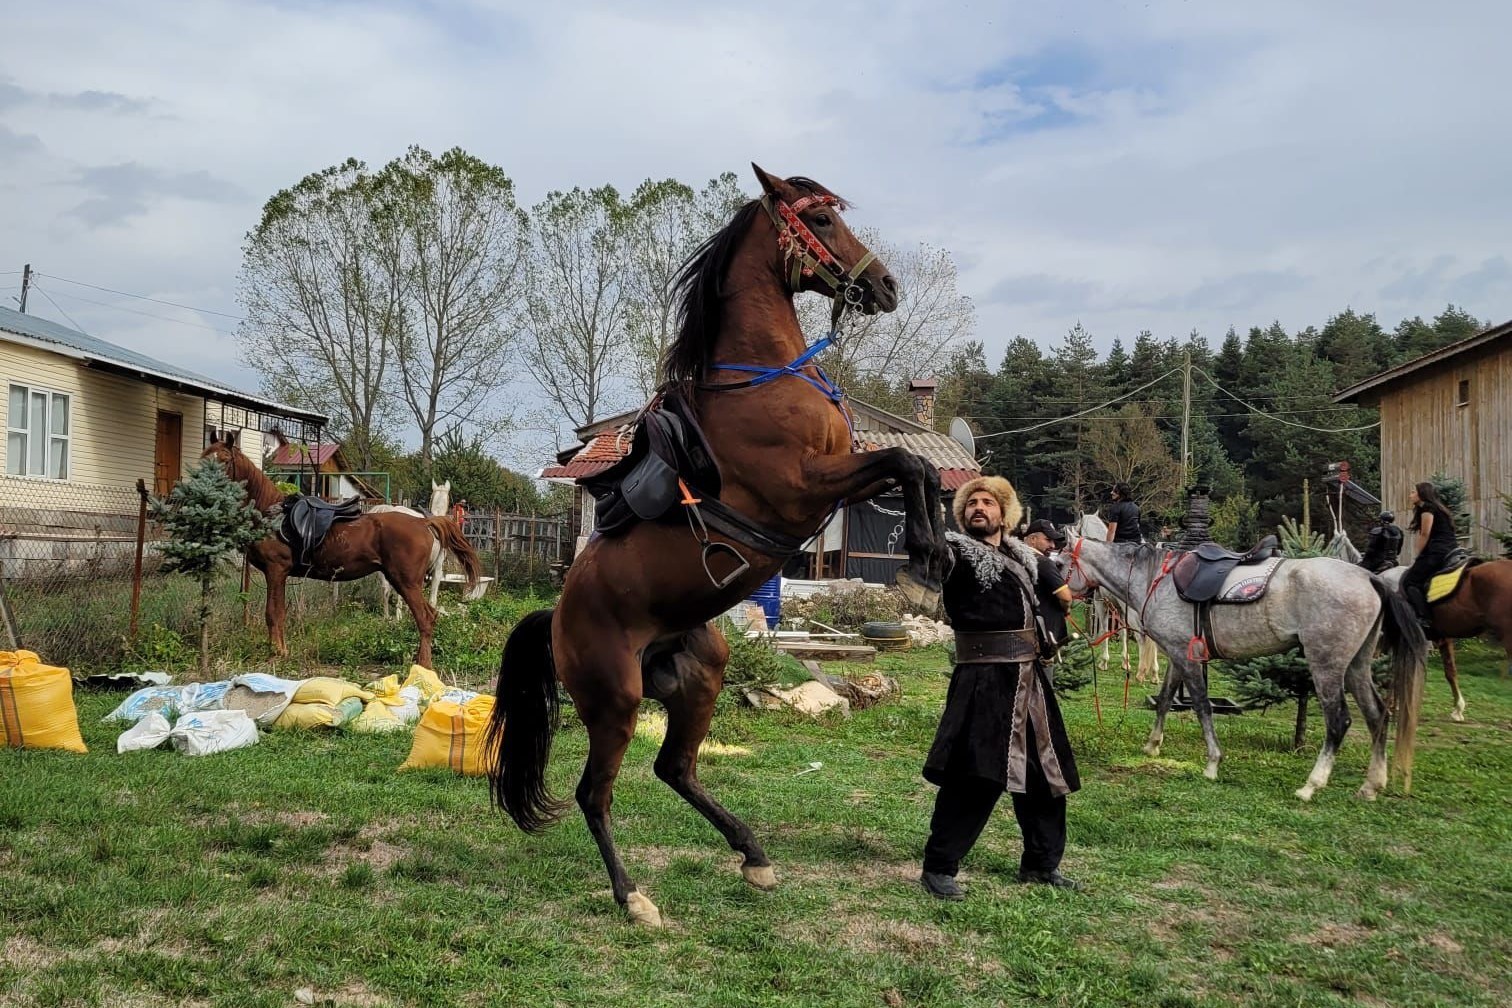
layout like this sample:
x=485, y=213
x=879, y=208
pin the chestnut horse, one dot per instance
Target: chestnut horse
x=392, y=543
x=633, y=617
x=1482, y=605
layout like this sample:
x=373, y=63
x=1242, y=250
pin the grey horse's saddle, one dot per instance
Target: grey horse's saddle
x=308, y=519
x=1202, y=575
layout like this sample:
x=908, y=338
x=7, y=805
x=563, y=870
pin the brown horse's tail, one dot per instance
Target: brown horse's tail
x=525, y=717
x=1409, y=658
x=449, y=534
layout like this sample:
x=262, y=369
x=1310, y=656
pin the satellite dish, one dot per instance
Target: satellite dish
x=960, y=432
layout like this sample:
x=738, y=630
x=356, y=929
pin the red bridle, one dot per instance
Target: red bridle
x=807, y=256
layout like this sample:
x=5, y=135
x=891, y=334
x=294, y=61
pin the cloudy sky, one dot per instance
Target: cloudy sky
x=1160, y=165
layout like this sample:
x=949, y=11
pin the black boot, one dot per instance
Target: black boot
x=942, y=886
x=1419, y=602
x=1053, y=877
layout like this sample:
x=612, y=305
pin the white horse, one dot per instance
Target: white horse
x=439, y=502
x=1102, y=608
x=1335, y=612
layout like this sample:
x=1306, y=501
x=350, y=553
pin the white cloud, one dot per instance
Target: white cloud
x=1165, y=165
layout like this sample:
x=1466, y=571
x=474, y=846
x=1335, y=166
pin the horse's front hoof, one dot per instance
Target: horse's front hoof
x=1457, y=715
x=1151, y=749
x=1305, y=792
x=642, y=911
x=1210, y=771
x=760, y=876
x=1368, y=793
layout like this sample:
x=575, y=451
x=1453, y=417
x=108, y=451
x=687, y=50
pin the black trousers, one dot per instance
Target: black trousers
x=1415, y=581
x=962, y=809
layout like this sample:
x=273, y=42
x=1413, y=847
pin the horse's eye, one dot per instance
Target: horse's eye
x=823, y=220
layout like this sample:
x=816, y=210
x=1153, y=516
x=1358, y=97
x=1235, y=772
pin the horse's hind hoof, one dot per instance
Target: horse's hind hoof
x=1210, y=771
x=642, y=911
x=1457, y=715
x=1305, y=792
x=924, y=600
x=1367, y=793
x=760, y=876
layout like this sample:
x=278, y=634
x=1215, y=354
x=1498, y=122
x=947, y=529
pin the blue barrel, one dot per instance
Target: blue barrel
x=769, y=597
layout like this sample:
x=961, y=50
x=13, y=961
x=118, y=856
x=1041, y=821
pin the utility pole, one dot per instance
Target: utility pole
x=25, y=283
x=1186, y=413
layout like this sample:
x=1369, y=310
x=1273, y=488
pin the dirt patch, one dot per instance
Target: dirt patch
x=1335, y=935
x=1443, y=943
x=871, y=935
x=657, y=858
x=356, y=995
x=28, y=954
x=367, y=847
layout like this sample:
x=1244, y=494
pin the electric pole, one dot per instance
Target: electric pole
x=1186, y=413
x=25, y=283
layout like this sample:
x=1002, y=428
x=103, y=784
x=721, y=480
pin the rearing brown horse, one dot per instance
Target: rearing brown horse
x=393, y=543
x=632, y=621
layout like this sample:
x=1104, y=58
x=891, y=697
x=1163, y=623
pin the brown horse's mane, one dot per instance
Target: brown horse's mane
x=264, y=491
x=700, y=291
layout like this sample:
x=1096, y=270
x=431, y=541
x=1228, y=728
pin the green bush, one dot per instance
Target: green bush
x=844, y=606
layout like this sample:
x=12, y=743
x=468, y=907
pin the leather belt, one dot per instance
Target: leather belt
x=995, y=647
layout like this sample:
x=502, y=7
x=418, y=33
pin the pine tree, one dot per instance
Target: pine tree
x=208, y=518
x=1451, y=489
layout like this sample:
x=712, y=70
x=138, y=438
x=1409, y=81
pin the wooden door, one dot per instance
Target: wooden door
x=168, y=459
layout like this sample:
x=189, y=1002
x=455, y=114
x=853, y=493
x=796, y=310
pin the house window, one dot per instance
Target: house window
x=1462, y=397
x=37, y=430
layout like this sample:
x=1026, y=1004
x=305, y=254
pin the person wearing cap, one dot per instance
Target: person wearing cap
x=1385, y=544
x=1001, y=729
x=1050, y=589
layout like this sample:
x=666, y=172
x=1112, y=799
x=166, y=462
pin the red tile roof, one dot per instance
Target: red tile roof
x=292, y=454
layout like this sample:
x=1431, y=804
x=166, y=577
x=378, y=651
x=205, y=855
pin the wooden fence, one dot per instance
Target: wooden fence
x=539, y=540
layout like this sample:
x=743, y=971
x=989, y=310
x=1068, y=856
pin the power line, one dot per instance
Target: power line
x=143, y=297
x=1177, y=416
x=1093, y=409
x=55, y=304
x=1291, y=423
x=160, y=318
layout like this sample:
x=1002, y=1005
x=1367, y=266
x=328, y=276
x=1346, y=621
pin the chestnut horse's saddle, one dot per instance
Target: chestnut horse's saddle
x=1446, y=581
x=670, y=475
x=1211, y=573
x=306, y=520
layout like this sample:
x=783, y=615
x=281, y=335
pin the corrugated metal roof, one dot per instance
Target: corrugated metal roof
x=46, y=334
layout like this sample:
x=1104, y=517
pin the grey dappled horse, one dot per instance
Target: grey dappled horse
x=1335, y=612
x=1101, y=617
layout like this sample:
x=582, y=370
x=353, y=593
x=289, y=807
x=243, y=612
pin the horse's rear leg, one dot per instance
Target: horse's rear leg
x=611, y=724
x=1373, y=708
x=424, y=613
x=687, y=683
x=1451, y=675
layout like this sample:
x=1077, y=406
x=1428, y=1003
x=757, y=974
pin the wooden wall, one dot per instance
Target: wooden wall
x=1424, y=430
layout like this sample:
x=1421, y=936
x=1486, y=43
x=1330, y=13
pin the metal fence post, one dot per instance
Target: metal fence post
x=498, y=544
x=136, y=567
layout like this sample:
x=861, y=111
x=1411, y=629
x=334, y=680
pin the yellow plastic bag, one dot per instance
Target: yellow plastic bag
x=36, y=704
x=319, y=714
x=451, y=735
x=386, y=689
x=429, y=684
x=328, y=690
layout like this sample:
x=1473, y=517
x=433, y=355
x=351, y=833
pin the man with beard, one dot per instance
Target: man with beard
x=1001, y=729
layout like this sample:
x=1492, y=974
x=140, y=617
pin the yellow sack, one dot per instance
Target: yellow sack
x=377, y=716
x=36, y=704
x=328, y=690
x=429, y=684
x=319, y=714
x=451, y=735
x=386, y=689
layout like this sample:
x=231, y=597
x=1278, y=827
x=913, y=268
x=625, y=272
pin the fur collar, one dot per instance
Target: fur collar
x=989, y=565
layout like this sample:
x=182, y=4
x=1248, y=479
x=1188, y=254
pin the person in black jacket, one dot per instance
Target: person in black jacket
x=1050, y=591
x=1434, y=526
x=1122, y=516
x=1385, y=545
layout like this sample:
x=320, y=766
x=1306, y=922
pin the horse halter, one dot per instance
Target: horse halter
x=807, y=256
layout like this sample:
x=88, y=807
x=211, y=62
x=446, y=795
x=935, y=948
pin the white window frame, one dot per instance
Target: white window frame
x=48, y=437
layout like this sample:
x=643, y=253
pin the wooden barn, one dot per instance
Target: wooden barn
x=1451, y=411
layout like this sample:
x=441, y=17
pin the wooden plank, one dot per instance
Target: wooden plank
x=826, y=652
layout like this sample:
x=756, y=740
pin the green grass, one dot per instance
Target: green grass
x=306, y=861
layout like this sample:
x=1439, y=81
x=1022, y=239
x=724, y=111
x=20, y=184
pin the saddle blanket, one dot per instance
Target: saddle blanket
x=1441, y=586
x=1247, y=583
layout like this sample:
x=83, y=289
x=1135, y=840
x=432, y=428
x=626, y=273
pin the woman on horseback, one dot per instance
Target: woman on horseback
x=1434, y=526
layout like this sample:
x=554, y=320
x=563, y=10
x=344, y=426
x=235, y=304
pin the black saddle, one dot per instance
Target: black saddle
x=667, y=445
x=1199, y=575
x=308, y=519
x=1456, y=558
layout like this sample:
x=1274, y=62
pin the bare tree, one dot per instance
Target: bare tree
x=323, y=306
x=578, y=302
x=1130, y=449
x=877, y=354
x=667, y=223
x=462, y=256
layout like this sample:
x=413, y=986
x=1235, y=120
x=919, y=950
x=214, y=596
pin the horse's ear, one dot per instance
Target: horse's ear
x=230, y=440
x=770, y=184
x=215, y=437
